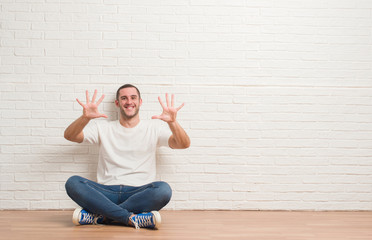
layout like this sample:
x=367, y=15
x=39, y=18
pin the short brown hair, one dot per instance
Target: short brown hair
x=127, y=86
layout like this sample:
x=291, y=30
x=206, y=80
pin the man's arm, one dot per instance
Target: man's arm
x=179, y=138
x=74, y=132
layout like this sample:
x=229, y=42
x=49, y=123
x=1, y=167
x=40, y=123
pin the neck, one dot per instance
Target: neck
x=129, y=122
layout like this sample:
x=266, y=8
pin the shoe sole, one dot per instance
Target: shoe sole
x=76, y=216
x=157, y=219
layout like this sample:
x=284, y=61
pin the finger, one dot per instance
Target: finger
x=94, y=95
x=104, y=115
x=100, y=99
x=87, y=96
x=183, y=104
x=81, y=104
x=172, y=101
x=161, y=103
x=166, y=97
x=156, y=117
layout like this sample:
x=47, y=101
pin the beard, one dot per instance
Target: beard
x=126, y=116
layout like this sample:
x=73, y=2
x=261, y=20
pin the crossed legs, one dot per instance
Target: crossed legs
x=117, y=202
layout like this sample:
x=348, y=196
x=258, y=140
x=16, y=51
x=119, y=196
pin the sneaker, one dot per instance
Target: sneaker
x=83, y=217
x=146, y=220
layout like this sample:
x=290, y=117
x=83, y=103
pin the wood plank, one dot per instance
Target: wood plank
x=201, y=225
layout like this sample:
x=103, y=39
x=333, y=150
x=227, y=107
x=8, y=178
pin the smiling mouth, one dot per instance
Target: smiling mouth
x=129, y=107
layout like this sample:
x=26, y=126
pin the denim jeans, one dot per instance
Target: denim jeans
x=117, y=202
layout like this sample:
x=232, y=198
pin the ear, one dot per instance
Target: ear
x=140, y=102
x=117, y=103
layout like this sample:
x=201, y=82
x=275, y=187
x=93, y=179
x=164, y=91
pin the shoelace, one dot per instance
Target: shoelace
x=142, y=221
x=88, y=218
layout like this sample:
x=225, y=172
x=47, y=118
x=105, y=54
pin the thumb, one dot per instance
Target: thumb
x=156, y=117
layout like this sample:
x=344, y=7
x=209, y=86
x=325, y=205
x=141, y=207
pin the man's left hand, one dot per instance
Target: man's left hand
x=169, y=113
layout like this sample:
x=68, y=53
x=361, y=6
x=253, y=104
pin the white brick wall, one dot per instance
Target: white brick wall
x=278, y=97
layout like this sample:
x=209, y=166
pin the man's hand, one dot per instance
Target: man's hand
x=90, y=109
x=169, y=113
x=179, y=138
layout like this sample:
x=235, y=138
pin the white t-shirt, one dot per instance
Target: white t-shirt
x=127, y=156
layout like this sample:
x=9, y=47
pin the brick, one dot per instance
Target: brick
x=15, y=205
x=188, y=187
x=7, y=195
x=58, y=35
x=44, y=205
x=185, y=205
x=15, y=187
x=31, y=17
x=16, y=7
x=29, y=177
x=23, y=195
x=203, y=196
x=103, y=44
x=4, y=178
x=15, y=131
x=28, y=140
x=58, y=52
x=45, y=7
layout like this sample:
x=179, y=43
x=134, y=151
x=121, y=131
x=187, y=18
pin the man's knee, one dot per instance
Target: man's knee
x=72, y=184
x=164, y=193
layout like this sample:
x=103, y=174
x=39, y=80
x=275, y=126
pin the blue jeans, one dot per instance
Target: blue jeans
x=117, y=202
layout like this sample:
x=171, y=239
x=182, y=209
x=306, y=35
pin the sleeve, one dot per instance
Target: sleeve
x=91, y=133
x=164, y=134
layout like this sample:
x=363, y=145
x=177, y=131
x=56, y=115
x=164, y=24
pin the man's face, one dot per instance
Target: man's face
x=128, y=102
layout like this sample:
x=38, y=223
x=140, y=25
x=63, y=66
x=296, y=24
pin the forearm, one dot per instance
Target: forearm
x=179, y=138
x=74, y=132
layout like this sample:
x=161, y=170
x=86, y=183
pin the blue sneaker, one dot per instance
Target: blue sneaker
x=146, y=220
x=83, y=217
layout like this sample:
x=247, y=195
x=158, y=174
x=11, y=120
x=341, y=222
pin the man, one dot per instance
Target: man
x=125, y=191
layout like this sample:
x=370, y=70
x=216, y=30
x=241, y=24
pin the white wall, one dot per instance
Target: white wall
x=278, y=97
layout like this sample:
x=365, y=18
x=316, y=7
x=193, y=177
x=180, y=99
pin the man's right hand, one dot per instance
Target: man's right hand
x=90, y=109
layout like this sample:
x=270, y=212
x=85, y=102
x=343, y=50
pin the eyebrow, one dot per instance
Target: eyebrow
x=130, y=96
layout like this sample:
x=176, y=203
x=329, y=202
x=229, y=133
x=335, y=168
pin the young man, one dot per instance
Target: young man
x=125, y=190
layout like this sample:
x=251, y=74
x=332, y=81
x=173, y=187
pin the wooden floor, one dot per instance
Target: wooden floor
x=180, y=225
